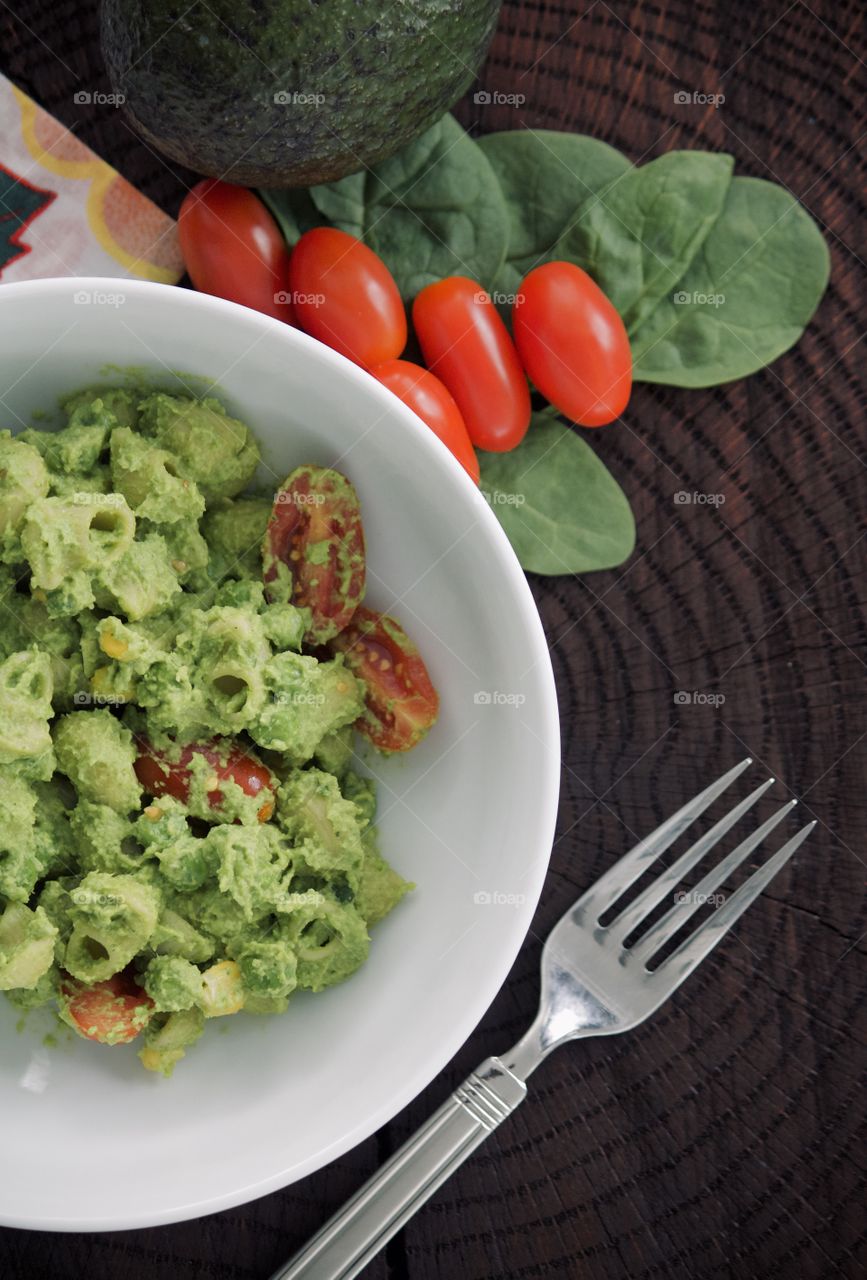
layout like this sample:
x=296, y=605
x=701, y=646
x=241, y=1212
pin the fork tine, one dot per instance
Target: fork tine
x=644, y=903
x=677, y=915
x=699, y=944
x=617, y=879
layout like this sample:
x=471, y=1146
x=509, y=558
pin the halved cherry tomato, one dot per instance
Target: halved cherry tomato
x=345, y=296
x=162, y=777
x=234, y=249
x=401, y=703
x=314, y=549
x=467, y=346
x=112, y=1012
x=573, y=343
x=434, y=404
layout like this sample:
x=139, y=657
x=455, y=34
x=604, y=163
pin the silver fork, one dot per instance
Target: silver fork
x=592, y=985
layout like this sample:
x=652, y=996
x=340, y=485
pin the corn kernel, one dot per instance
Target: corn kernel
x=222, y=991
x=113, y=646
x=102, y=681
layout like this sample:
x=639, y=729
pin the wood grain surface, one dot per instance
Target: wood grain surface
x=726, y=1137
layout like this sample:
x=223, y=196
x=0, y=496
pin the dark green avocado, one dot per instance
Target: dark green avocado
x=288, y=93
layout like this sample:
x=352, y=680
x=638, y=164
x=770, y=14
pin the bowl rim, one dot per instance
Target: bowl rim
x=489, y=983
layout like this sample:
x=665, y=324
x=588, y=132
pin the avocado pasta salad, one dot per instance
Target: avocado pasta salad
x=184, y=660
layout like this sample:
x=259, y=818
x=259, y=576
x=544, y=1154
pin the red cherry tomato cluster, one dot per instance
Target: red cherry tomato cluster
x=568, y=338
x=347, y=297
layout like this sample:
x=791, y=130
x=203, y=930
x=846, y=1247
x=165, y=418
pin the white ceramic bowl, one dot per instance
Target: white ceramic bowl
x=91, y=1141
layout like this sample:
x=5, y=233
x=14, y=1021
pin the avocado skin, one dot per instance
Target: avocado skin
x=200, y=84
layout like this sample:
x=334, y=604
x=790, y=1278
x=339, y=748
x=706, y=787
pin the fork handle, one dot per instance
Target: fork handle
x=389, y=1199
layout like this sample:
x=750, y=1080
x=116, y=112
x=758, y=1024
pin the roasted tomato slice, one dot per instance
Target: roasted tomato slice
x=314, y=549
x=401, y=703
x=112, y=1012
x=162, y=777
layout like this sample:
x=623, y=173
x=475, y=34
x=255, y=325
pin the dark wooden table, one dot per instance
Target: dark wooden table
x=725, y=1138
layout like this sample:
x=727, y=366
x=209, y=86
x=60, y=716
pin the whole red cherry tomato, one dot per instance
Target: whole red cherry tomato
x=234, y=249
x=434, y=404
x=400, y=701
x=314, y=549
x=466, y=344
x=162, y=777
x=573, y=343
x=345, y=296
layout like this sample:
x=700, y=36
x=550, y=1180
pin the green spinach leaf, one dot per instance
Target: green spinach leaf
x=293, y=211
x=433, y=210
x=714, y=276
x=746, y=298
x=545, y=177
x=638, y=238
x=561, y=508
x=342, y=202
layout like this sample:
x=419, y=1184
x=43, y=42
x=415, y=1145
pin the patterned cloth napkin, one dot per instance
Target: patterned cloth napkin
x=65, y=212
